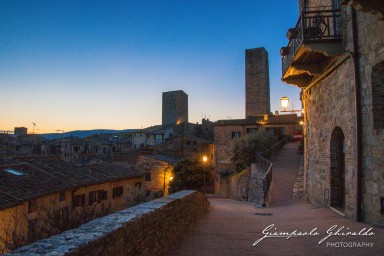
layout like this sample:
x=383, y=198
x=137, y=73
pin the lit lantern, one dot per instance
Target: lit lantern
x=284, y=102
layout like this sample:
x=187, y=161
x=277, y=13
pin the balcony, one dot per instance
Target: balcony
x=314, y=43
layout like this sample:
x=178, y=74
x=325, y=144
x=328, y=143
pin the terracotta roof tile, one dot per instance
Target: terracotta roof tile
x=43, y=176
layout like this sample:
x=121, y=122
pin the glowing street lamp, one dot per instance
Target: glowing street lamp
x=205, y=159
x=284, y=102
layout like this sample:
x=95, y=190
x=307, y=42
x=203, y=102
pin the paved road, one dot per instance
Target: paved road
x=232, y=227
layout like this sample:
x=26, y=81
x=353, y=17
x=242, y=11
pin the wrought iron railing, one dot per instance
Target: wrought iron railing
x=312, y=26
x=265, y=165
x=272, y=151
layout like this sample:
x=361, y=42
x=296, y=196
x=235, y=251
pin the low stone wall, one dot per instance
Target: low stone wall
x=247, y=185
x=147, y=229
x=256, y=193
x=239, y=184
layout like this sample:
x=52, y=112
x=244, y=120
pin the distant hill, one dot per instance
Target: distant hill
x=81, y=133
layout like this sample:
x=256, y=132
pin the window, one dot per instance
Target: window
x=148, y=176
x=138, y=185
x=102, y=195
x=92, y=197
x=236, y=135
x=61, y=196
x=33, y=205
x=78, y=201
x=117, y=192
x=378, y=95
x=251, y=130
x=104, y=150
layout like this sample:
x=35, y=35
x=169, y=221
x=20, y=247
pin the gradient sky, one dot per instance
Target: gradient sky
x=68, y=65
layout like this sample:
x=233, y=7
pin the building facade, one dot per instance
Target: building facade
x=335, y=55
x=42, y=196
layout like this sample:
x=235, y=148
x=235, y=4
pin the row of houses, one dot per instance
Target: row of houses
x=41, y=196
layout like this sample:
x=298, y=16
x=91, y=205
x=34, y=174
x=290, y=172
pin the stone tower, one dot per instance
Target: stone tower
x=175, y=108
x=257, y=102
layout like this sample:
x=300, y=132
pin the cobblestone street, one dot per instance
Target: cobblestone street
x=232, y=227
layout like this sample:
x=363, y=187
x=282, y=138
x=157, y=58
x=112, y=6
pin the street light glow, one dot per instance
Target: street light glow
x=205, y=158
x=284, y=102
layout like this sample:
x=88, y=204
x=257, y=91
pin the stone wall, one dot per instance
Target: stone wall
x=328, y=105
x=146, y=229
x=371, y=52
x=247, y=185
x=331, y=104
x=239, y=184
x=256, y=193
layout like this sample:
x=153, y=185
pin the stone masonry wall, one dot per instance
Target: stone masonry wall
x=328, y=105
x=257, y=100
x=239, y=184
x=371, y=52
x=147, y=229
x=256, y=194
x=248, y=185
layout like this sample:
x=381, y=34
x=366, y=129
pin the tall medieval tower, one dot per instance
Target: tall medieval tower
x=175, y=108
x=257, y=102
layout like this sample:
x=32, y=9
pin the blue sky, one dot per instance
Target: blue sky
x=69, y=65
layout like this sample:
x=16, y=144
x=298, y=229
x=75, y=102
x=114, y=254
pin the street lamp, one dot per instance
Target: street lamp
x=285, y=103
x=205, y=159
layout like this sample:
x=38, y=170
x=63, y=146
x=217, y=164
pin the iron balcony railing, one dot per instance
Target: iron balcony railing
x=312, y=27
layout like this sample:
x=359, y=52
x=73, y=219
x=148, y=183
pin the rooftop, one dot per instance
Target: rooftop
x=42, y=176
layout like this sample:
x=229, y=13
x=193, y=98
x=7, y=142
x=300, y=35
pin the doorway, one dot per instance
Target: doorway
x=337, y=172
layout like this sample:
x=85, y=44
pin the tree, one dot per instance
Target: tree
x=189, y=174
x=243, y=150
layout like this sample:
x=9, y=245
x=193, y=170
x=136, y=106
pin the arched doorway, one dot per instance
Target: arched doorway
x=337, y=172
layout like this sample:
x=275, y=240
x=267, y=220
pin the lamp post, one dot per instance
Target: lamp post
x=205, y=159
x=285, y=103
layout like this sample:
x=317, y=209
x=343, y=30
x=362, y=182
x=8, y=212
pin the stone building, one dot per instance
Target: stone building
x=335, y=55
x=175, y=108
x=228, y=130
x=158, y=171
x=256, y=82
x=42, y=196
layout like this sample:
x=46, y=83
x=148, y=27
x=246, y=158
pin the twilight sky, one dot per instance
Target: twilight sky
x=68, y=65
